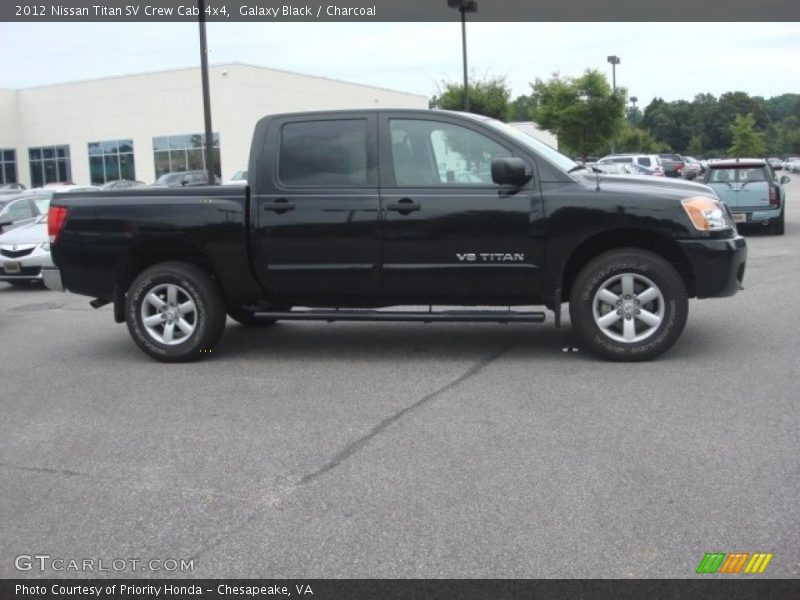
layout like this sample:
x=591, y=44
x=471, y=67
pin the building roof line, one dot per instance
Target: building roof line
x=214, y=66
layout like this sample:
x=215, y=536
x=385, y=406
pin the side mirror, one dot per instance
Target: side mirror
x=185, y=181
x=510, y=171
x=785, y=179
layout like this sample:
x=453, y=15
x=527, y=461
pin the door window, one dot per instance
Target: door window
x=324, y=153
x=644, y=161
x=432, y=153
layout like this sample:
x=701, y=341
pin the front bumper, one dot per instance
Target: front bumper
x=27, y=267
x=717, y=264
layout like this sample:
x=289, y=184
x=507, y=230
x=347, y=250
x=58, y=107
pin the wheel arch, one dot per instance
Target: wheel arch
x=144, y=256
x=616, y=239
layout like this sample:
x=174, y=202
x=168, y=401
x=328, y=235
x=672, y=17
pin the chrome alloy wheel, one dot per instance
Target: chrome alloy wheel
x=628, y=308
x=169, y=314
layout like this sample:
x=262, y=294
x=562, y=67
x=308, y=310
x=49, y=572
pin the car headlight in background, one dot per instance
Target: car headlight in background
x=45, y=246
x=706, y=214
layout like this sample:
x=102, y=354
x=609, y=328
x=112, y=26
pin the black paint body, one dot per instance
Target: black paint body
x=273, y=245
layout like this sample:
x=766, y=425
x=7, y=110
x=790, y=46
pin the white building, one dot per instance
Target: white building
x=140, y=126
x=531, y=129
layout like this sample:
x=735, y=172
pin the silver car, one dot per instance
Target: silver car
x=23, y=253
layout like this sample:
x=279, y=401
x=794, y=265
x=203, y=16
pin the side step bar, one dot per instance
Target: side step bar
x=445, y=316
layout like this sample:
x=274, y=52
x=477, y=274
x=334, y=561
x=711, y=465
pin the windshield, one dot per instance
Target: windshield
x=547, y=152
x=168, y=178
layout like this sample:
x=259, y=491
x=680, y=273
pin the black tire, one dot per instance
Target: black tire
x=207, y=320
x=778, y=226
x=249, y=319
x=604, y=272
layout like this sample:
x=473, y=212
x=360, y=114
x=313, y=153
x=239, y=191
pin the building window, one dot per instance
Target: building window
x=183, y=153
x=49, y=164
x=8, y=166
x=110, y=161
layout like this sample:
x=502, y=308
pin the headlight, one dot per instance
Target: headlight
x=706, y=214
x=45, y=246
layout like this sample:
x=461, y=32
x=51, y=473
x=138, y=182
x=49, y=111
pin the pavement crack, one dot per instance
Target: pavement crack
x=358, y=444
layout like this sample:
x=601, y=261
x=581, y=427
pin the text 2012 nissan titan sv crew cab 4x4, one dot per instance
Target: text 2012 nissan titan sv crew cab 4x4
x=349, y=211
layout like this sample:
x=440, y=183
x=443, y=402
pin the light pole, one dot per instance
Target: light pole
x=614, y=60
x=634, y=100
x=464, y=6
x=209, y=145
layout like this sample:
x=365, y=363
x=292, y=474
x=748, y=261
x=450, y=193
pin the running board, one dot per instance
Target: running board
x=445, y=316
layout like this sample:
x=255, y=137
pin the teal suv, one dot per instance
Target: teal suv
x=750, y=189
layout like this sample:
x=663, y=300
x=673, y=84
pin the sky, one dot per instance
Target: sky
x=668, y=60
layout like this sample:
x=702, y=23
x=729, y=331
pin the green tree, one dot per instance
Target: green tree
x=582, y=112
x=695, y=147
x=746, y=140
x=522, y=108
x=633, y=139
x=489, y=97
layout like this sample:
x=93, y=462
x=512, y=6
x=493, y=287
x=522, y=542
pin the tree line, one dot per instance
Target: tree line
x=590, y=119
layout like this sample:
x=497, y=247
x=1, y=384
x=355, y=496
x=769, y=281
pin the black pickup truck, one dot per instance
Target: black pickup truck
x=348, y=214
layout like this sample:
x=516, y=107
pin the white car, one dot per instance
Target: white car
x=239, y=178
x=649, y=161
x=23, y=253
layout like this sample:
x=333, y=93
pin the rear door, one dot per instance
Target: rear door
x=317, y=209
x=449, y=234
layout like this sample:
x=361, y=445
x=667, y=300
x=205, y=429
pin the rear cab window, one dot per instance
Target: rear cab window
x=324, y=153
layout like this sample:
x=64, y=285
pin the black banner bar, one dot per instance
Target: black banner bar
x=65, y=11
x=387, y=589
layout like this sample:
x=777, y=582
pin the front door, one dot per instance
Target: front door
x=449, y=234
x=317, y=238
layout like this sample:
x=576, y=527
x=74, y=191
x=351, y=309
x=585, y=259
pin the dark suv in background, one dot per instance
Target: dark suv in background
x=673, y=164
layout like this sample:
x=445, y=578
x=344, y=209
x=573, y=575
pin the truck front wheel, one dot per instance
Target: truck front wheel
x=628, y=305
x=175, y=312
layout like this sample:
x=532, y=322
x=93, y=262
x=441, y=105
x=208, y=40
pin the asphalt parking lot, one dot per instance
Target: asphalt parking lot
x=407, y=450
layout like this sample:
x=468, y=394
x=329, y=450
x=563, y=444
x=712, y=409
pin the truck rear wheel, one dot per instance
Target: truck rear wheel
x=628, y=305
x=175, y=312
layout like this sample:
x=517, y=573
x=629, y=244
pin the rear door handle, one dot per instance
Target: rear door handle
x=404, y=205
x=280, y=205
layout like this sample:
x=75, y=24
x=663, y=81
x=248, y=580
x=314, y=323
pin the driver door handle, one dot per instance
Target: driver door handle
x=404, y=205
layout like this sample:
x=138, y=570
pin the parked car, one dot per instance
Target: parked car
x=776, y=163
x=792, y=164
x=343, y=228
x=673, y=164
x=182, y=179
x=11, y=188
x=692, y=167
x=239, y=178
x=649, y=161
x=24, y=252
x=68, y=187
x=22, y=208
x=122, y=184
x=751, y=192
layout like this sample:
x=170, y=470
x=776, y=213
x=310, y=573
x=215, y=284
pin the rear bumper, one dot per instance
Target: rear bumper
x=52, y=279
x=718, y=265
x=760, y=215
